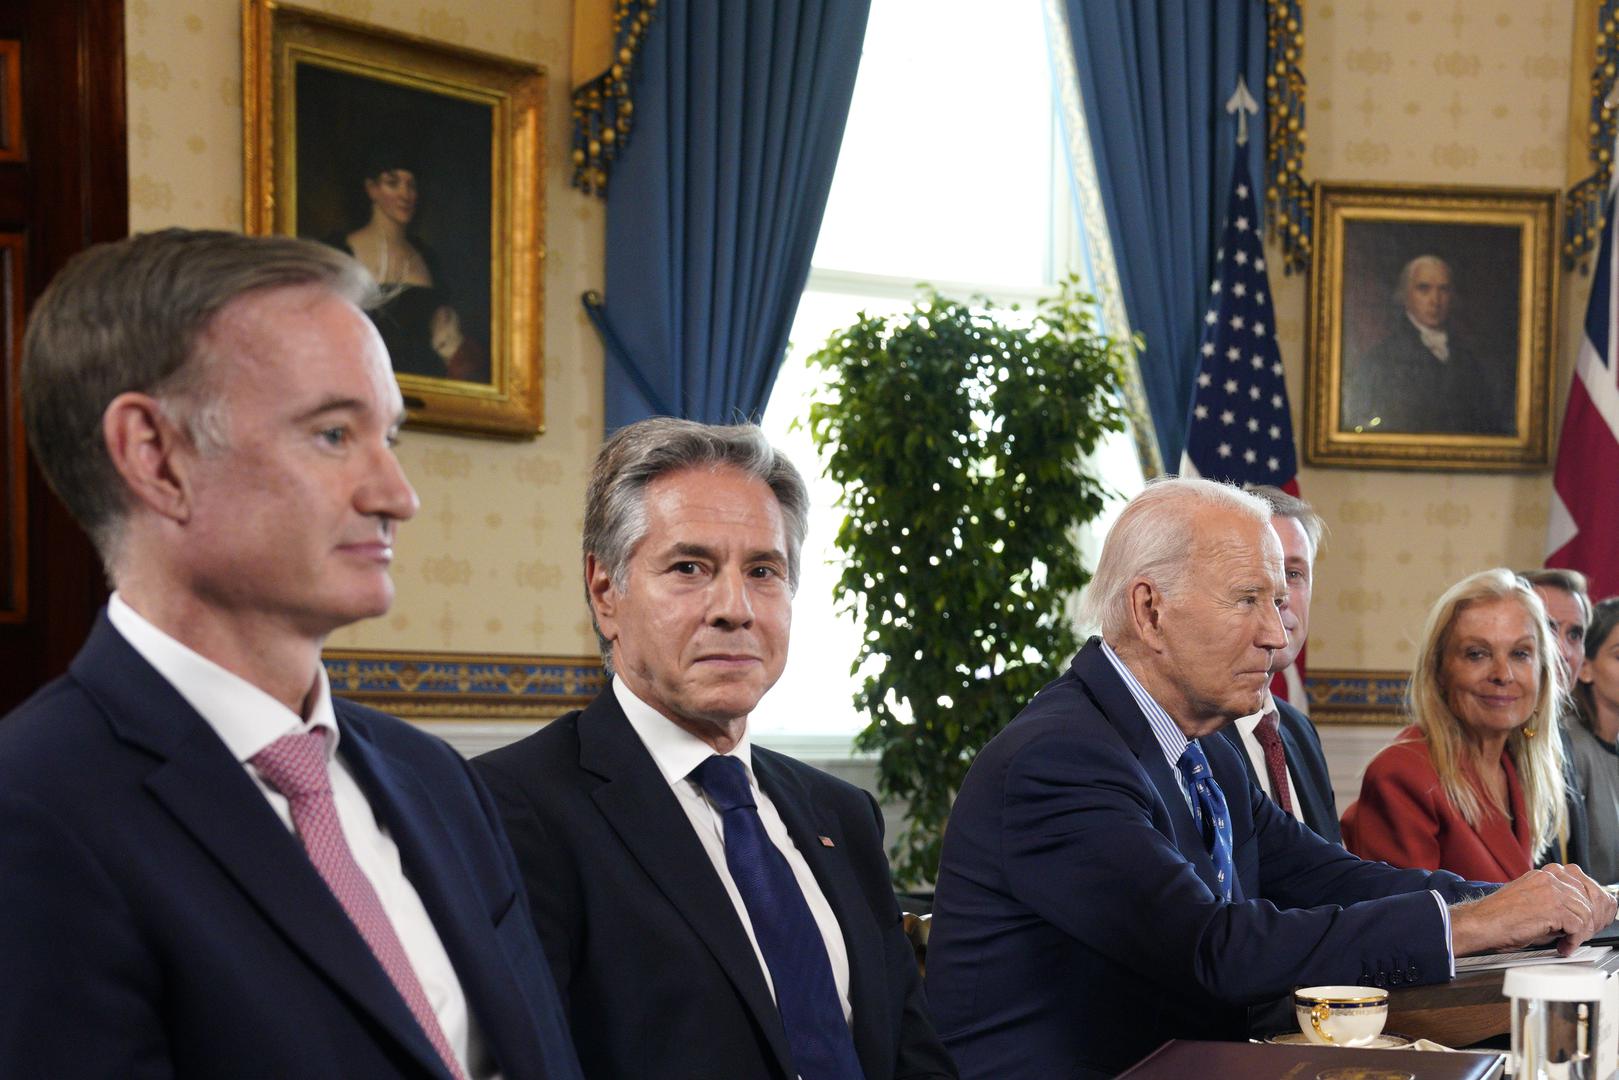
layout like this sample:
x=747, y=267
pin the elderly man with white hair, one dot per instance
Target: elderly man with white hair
x=1111, y=877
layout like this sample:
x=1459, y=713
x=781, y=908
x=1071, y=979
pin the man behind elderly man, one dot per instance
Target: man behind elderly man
x=1110, y=876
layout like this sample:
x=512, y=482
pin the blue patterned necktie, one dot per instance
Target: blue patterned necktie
x=794, y=951
x=1209, y=812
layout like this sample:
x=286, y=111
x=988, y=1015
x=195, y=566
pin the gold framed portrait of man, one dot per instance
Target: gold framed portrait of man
x=423, y=162
x=1431, y=327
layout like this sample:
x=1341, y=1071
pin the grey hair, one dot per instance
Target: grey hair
x=1409, y=268
x=1155, y=538
x=639, y=453
x=131, y=316
x=1291, y=506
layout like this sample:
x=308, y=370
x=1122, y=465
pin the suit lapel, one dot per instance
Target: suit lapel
x=862, y=941
x=438, y=868
x=1117, y=705
x=1305, y=784
x=636, y=801
x=208, y=793
x=1231, y=735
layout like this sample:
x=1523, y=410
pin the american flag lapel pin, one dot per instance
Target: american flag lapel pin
x=826, y=841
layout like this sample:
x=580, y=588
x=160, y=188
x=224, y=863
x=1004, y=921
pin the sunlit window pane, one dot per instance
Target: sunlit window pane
x=945, y=170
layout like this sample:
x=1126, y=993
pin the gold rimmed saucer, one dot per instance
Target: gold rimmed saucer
x=1385, y=1041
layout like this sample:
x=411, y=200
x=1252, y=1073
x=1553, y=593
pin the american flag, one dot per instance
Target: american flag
x=1583, y=533
x=1241, y=428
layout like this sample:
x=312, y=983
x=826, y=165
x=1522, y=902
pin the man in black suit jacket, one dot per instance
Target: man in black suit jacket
x=218, y=412
x=1309, y=795
x=643, y=898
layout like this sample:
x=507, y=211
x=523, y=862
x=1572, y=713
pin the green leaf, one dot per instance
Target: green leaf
x=957, y=437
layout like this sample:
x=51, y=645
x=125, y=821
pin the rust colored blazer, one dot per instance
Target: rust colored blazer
x=1403, y=817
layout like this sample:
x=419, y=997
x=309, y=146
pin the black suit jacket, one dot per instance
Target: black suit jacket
x=1401, y=385
x=1301, y=745
x=655, y=969
x=157, y=919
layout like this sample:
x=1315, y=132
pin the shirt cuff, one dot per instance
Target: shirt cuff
x=1444, y=915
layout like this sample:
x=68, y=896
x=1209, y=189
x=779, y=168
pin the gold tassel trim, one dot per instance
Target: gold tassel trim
x=1287, y=193
x=1582, y=213
x=602, y=107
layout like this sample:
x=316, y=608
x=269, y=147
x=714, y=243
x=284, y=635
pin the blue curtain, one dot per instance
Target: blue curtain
x=1155, y=78
x=715, y=203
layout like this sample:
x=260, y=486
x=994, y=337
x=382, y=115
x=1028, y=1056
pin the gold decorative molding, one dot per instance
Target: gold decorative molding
x=464, y=686
x=1357, y=697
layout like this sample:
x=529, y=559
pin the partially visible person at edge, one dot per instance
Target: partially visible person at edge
x=1568, y=612
x=1593, y=735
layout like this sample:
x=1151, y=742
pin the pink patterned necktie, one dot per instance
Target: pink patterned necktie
x=295, y=765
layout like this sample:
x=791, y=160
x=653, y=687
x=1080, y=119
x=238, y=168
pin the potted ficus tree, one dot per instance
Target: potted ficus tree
x=959, y=433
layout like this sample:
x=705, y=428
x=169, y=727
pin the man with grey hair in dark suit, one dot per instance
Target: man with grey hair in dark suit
x=710, y=908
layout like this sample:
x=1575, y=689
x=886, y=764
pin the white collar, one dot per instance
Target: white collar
x=1246, y=724
x=246, y=718
x=674, y=750
x=1435, y=341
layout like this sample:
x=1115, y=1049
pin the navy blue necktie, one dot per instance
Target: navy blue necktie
x=794, y=951
x=1209, y=812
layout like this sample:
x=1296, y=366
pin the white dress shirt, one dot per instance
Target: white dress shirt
x=677, y=752
x=1256, y=755
x=247, y=720
x=1435, y=341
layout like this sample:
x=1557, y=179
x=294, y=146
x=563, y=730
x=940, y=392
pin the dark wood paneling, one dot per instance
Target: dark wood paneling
x=13, y=471
x=68, y=190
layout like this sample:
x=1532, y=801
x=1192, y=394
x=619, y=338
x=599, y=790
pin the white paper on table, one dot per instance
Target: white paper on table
x=1585, y=954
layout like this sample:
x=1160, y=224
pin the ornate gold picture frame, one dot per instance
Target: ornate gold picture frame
x=425, y=162
x=1431, y=327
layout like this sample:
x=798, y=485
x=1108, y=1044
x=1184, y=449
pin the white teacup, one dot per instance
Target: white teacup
x=1341, y=1015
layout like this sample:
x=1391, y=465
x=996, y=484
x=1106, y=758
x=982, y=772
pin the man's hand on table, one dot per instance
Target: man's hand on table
x=1555, y=903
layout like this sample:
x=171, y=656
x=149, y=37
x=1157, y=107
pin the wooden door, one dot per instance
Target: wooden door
x=64, y=184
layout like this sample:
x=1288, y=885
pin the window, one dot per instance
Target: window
x=951, y=172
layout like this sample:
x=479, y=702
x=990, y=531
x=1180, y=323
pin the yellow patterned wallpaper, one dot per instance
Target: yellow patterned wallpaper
x=491, y=563
x=1440, y=92
x=1443, y=92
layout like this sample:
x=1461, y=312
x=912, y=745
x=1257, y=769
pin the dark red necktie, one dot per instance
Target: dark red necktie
x=1270, y=741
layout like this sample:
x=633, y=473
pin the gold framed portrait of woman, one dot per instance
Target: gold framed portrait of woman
x=424, y=163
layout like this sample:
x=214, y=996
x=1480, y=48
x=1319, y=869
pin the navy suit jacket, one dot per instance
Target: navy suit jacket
x=1307, y=764
x=654, y=965
x=1077, y=924
x=157, y=919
